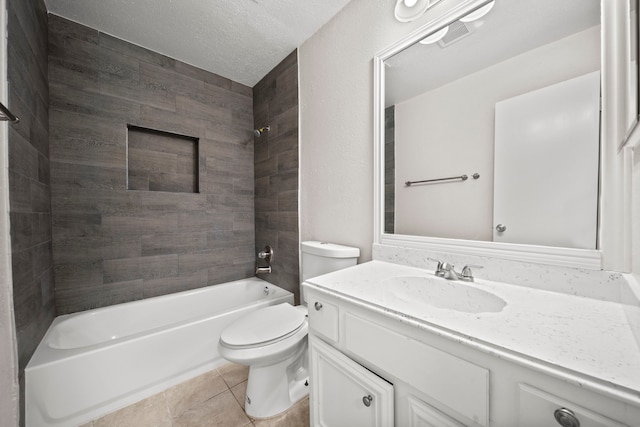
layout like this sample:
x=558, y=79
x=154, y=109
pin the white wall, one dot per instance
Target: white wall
x=336, y=120
x=431, y=143
x=8, y=351
x=9, y=390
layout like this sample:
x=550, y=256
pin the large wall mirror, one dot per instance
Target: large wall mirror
x=489, y=131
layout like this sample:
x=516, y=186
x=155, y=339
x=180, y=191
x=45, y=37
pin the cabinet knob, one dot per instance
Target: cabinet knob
x=318, y=305
x=367, y=400
x=500, y=228
x=566, y=418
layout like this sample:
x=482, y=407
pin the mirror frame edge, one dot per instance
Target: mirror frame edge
x=614, y=223
x=634, y=124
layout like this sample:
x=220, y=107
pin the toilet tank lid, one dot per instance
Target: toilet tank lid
x=329, y=250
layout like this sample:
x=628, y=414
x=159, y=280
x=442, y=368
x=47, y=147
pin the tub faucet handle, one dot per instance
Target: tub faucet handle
x=266, y=254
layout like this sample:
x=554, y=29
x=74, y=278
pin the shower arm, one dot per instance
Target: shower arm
x=258, y=132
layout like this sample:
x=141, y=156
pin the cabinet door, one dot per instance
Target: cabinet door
x=343, y=393
x=424, y=415
x=537, y=409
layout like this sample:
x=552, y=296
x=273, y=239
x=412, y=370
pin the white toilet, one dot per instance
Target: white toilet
x=272, y=341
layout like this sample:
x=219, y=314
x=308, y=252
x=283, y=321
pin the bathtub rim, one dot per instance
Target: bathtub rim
x=46, y=355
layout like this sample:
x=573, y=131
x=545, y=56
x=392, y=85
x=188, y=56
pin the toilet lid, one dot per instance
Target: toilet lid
x=263, y=325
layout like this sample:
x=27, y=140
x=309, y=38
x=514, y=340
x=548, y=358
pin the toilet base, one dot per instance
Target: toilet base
x=273, y=389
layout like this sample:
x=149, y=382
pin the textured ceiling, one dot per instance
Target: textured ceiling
x=241, y=40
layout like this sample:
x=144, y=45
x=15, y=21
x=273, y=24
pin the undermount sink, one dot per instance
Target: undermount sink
x=446, y=294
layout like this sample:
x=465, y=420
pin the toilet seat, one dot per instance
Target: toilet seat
x=263, y=327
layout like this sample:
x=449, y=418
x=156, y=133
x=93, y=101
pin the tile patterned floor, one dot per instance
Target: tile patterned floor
x=214, y=399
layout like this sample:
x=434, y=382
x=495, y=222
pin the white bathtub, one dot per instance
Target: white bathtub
x=94, y=362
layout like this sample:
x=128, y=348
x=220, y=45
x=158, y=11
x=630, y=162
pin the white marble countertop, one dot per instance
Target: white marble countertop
x=585, y=338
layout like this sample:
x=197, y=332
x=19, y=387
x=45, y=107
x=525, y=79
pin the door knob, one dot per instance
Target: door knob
x=566, y=418
x=367, y=400
x=501, y=228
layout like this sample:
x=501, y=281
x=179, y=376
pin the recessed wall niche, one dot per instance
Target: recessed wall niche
x=161, y=161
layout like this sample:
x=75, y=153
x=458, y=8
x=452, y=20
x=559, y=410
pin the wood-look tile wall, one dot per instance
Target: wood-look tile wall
x=29, y=189
x=110, y=244
x=389, y=169
x=275, y=103
x=161, y=161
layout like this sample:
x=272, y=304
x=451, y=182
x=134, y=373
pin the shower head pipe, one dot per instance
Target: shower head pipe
x=258, y=132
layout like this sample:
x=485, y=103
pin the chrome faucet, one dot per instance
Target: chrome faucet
x=267, y=255
x=446, y=270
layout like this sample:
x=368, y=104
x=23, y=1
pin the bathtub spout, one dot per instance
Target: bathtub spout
x=261, y=270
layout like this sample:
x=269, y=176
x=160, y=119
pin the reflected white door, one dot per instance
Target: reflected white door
x=546, y=165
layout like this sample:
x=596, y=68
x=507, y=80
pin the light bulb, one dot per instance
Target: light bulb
x=409, y=10
x=438, y=35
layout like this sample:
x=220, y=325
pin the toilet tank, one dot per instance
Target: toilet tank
x=321, y=258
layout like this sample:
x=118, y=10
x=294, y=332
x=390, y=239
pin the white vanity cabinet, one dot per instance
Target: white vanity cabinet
x=434, y=378
x=353, y=357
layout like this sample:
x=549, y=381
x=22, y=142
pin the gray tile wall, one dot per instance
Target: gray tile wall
x=160, y=161
x=389, y=169
x=275, y=103
x=110, y=244
x=29, y=189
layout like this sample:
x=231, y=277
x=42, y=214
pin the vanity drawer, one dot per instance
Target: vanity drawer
x=537, y=408
x=323, y=318
x=457, y=384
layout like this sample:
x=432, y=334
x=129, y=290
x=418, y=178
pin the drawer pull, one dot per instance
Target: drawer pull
x=318, y=305
x=367, y=400
x=566, y=418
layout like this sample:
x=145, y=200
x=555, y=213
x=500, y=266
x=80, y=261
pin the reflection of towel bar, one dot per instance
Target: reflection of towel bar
x=461, y=177
x=7, y=115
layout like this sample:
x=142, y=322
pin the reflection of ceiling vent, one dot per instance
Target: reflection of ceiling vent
x=457, y=31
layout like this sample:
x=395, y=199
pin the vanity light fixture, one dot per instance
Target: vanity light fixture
x=409, y=10
x=478, y=13
x=435, y=37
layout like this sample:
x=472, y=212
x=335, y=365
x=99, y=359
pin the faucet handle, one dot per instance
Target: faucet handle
x=467, y=274
x=439, y=270
x=266, y=254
